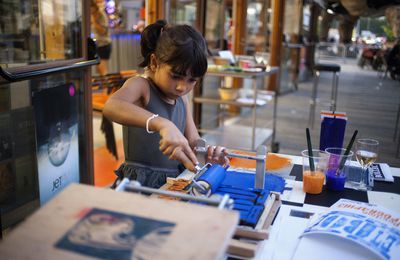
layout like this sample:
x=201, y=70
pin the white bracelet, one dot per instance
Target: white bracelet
x=148, y=121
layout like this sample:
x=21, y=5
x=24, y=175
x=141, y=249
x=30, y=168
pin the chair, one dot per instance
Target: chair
x=103, y=87
x=318, y=68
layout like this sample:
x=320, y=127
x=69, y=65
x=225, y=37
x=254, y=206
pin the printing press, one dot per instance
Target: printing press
x=254, y=194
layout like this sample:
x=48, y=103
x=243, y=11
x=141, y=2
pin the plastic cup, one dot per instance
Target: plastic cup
x=335, y=177
x=313, y=181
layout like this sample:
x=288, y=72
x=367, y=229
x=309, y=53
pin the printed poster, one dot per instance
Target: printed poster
x=112, y=235
x=375, y=228
x=56, y=112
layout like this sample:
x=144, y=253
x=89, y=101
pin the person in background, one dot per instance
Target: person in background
x=393, y=60
x=139, y=27
x=159, y=133
x=101, y=31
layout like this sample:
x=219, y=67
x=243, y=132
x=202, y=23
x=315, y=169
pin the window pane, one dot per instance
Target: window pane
x=37, y=31
x=183, y=12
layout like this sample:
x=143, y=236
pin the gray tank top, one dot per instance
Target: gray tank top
x=141, y=147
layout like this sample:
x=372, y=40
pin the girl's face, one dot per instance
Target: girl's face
x=171, y=83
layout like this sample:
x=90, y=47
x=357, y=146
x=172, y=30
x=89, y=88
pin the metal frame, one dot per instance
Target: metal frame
x=313, y=100
x=260, y=158
x=223, y=202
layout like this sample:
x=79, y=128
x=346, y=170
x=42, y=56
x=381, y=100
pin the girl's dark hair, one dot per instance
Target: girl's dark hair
x=180, y=46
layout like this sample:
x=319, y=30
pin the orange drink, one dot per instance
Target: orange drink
x=314, y=168
x=313, y=182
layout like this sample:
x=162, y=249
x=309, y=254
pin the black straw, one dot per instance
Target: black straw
x=310, y=153
x=346, y=153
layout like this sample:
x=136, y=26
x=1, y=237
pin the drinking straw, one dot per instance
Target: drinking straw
x=346, y=153
x=310, y=153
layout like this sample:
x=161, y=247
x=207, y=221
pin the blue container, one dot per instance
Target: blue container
x=332, y=132
x=335, y=181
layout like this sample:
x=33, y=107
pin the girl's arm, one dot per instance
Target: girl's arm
x=214, y=154
x=125, y=107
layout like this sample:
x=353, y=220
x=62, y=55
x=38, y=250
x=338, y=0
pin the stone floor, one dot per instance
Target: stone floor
x=371, y=103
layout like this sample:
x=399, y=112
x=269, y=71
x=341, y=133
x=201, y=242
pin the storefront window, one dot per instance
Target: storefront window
x=217, y=25
x=258, y=16
x=37, y=31
x=182, y=12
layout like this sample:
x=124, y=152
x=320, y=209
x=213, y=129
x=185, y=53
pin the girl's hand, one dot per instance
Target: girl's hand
x=217, y=155
x=174, y=145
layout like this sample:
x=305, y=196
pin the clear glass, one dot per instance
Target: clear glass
x=338, y=168
x=258, y=26
x=313, y=180
x=261, y=58
x=182, y=12
x=217, y=26
x=366, y=154
x=39, y=31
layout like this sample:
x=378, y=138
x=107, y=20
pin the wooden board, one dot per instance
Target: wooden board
x=252, y=236
x=242, y=249
x=92, y=218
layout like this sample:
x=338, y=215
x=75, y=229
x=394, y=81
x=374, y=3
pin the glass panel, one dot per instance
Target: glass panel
x=183, y=12
x=38, y=31
x=291, y=47
x=218, y=24
x=41, y=129
x=258, y=16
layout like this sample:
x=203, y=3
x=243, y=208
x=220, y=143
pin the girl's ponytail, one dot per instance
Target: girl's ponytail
x=149, y=39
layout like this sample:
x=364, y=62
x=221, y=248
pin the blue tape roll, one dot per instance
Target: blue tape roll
x=213, y=176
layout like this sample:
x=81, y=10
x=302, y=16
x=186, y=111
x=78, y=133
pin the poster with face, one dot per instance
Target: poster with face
x=108, y=234
x=56, y=113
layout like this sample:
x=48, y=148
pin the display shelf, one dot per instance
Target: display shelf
x=237, y=136
x=241, y=136
x=217, y=101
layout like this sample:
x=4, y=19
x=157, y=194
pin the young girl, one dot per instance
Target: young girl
x=158, y=129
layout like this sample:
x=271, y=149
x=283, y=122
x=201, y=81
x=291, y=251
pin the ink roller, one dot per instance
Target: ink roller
x=208, y=179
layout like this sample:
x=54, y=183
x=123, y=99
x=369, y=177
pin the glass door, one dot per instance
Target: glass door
x=218, y=25
x=33, y=32
x=45, y=113
x=258, y=29
x=182, y=12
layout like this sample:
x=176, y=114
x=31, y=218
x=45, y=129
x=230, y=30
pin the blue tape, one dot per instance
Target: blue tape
x=239, y=196
x=242, y=207
x=253, y=216
x=245, y=181
x=262, y=198
x=243, y=202
x=230, y=190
